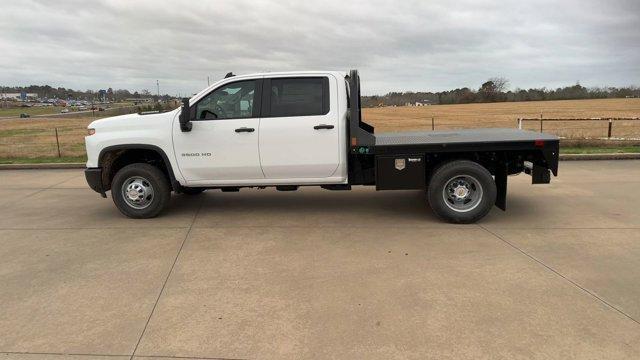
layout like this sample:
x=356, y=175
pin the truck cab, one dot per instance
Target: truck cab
x=293, y=129
x=266, y=129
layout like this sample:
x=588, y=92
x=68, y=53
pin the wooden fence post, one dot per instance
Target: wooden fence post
x=610, y=126
x=540, y=122
x=58, y=143
x=433, y=125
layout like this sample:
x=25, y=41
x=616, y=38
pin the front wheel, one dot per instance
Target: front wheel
x=140, y=191
x=461, y=192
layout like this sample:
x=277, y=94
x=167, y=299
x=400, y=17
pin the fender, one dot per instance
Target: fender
x=172, y=178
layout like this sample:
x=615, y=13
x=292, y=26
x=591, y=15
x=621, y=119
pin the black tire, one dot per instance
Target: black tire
x=192, y=190
x=144, y=176
x=461, y=177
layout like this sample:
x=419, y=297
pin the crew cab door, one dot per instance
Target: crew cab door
x=223, y=142
x=299, y=135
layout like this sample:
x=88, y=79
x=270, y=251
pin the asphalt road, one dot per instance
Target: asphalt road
x=317, y=274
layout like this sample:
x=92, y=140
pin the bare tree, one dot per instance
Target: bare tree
x=500, y=84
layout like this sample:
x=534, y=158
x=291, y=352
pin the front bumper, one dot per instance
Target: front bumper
x=94, y=179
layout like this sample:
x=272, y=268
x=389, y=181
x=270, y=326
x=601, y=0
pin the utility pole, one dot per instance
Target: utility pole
x=158, y=86
x=4, y=98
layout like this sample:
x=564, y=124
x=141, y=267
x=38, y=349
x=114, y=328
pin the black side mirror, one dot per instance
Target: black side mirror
x=185, y=114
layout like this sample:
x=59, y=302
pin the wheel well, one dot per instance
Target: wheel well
x=113, y=160
x=490, y=160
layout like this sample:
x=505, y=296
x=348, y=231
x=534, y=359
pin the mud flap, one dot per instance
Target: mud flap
x=501, y=186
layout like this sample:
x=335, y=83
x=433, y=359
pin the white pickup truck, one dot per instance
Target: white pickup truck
x=298, y=129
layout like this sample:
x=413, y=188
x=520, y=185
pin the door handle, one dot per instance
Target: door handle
x=245, y=129
x=323, y=126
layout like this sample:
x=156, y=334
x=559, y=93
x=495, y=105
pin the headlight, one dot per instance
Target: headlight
x=91, y=132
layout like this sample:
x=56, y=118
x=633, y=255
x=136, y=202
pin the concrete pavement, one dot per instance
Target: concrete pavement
x=316, y=274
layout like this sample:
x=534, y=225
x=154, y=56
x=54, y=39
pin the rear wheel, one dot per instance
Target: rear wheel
x=461, y=191
x=140, y=191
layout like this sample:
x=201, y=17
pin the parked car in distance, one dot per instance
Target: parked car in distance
x=64, y=111
x=24, y=116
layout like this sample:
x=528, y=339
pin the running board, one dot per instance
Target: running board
x=336, y=187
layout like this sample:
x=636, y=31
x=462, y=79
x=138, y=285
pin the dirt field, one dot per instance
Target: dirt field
x=36, y=137
x=506, y=115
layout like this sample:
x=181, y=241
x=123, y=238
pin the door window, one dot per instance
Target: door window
x=231, y=101
x=299, y=97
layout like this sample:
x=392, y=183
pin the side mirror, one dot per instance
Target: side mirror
x=185, y=123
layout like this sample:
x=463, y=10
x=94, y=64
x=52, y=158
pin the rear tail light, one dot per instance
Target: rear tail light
x=91, y=132
x=539, y=143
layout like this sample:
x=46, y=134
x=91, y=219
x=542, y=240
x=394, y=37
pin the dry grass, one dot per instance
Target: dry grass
x=505, y=115
x=35, y=137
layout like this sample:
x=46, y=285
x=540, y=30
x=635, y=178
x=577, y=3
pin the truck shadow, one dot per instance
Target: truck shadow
x=311, y=205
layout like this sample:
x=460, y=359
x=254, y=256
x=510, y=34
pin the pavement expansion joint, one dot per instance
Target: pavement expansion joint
x=548, y=267
x=166, y=280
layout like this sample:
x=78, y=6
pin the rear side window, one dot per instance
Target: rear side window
x=299, y=96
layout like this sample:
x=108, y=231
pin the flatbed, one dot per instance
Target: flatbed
x=475, y=137
x=493, y=139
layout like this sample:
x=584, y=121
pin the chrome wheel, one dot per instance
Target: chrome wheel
x=462, y=193
x=137, y=192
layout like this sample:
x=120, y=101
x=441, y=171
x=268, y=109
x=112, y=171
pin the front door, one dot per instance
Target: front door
x=299, y=134
x=223, y=142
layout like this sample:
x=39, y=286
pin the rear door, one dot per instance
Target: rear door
x=299, y=135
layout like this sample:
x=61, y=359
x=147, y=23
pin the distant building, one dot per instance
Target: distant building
x=21, y=96
x=136, y=101
x=424, y=103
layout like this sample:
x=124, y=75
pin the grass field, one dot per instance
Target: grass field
x=506, y=114
x=35, y=137
x=601, y=150
x=44, y=160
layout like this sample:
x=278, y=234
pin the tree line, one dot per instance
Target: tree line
x=496, y=90
x=493, y=90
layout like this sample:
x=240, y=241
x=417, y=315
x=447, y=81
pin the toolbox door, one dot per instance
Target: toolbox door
x=401, y=172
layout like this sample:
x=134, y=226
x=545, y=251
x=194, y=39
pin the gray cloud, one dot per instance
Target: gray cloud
x=407, y=45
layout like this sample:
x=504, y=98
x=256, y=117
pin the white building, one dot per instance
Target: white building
x=423, y=103
x=18, y=96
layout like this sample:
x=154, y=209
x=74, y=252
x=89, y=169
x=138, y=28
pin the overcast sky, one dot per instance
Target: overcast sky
x=396, y=45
